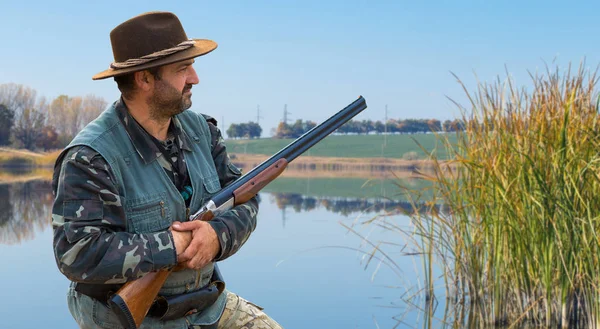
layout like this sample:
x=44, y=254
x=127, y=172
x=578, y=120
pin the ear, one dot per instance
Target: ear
x=144, y=80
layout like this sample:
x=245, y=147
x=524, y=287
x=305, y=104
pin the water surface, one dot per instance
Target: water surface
x=301, y=264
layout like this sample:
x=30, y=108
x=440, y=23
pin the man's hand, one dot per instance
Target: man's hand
x=182, y=241
x=204, y=246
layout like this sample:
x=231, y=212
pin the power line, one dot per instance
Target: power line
x=285, y=114
x=258, y=117
x=385, y=124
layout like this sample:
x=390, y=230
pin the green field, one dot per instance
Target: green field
x=345, y=187
x=353, y=146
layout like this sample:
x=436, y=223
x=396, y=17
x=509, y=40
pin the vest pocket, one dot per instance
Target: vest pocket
x=149, y=214
x=211, y=184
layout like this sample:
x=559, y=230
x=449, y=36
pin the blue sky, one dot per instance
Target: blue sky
x=314, y=56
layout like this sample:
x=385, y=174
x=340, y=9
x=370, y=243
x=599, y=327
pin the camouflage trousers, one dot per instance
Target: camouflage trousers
x=238, y=314
x=241, y=314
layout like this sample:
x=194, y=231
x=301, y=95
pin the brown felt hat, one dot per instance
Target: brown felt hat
x=150, y=40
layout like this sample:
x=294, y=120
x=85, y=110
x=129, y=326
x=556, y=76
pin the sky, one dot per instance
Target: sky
x=314, y=56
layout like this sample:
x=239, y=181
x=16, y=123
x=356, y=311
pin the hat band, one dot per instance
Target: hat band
x=155, y=55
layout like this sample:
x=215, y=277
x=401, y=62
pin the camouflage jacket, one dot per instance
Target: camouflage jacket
x=80, y=245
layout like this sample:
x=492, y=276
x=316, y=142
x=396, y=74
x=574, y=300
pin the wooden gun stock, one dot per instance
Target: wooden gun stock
x=132, y=302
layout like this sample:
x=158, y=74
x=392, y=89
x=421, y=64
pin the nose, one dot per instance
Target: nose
x=192, y=77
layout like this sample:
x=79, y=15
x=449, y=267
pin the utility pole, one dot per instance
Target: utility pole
x=258, y=117
x=285, y=114
x=385, y=126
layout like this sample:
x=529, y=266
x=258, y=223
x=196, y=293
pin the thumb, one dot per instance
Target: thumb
x=186, y=226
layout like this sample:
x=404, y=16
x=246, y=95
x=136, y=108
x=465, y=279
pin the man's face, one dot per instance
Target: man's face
x=172, y=89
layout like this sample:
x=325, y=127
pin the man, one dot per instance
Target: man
x=127, y=183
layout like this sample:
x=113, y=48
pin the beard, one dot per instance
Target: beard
x=167, y=101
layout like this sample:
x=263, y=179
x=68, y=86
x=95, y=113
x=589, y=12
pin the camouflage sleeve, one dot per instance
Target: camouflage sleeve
x=235, y=226
x=90, y=239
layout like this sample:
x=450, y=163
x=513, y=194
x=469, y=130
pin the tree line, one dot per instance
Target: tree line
x=32, y=122
x=393, y=126
x=400, y=126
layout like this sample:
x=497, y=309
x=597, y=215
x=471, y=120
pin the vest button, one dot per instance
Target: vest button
x=187, y=287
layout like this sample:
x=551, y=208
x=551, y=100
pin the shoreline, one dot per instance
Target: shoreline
x=18, y=163
x=314, y=166
x=25, y=159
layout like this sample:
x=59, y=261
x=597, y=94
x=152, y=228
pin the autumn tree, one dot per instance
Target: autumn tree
x=283, y=131
x=17, y=97
x=63, y=114
x=7, y=119
x=28, y=128
x=68, y=115
x=91, y=108
x=48, y=139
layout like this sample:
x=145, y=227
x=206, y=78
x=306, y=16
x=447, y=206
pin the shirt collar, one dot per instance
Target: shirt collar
x=182, y=137
x=142, y=141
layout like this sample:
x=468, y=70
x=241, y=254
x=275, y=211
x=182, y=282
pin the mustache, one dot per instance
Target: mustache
x=187, y=88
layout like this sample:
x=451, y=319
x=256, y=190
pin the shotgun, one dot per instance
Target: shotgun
x=134, y=299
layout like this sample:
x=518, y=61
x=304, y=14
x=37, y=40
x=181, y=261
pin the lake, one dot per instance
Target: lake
x=302, y=264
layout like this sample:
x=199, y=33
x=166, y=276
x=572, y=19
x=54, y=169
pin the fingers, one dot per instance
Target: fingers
x=192, y=249
x=187, y=226
x=203, y=246
x=182, y=241
x=196, y=255
x=197, y=262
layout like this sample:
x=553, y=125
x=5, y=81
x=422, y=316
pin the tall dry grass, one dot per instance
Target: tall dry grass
x=23, y=158
x=519, y=239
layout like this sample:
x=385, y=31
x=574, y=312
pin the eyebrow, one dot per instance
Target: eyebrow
x=186, y=63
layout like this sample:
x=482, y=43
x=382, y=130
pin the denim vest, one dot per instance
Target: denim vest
x=152, y=202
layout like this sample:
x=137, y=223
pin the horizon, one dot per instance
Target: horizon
x=315, y=57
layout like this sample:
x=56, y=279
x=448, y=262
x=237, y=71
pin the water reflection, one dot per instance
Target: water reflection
x=25, y=209
x=342, y=205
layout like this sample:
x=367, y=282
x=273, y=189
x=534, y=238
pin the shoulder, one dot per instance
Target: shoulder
x=210, y=120
x=81, y=166
x=86, y=156
x=77, y=160
x=212, y=127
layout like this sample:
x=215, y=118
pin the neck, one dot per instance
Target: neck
x=156, y=127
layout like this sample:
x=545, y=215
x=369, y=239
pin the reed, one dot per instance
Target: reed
x=519, y=237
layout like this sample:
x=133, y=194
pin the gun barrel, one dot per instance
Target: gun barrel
x=297, y=147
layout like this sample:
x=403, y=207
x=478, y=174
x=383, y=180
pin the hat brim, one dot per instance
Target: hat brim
x=200, y=47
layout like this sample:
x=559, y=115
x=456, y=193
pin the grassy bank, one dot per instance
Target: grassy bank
x=353, y=146
x=13, y=158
